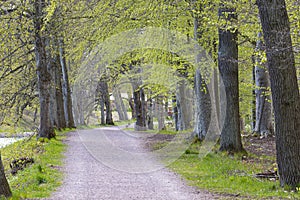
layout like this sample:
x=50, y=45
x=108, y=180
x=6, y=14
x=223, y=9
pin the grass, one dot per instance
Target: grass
x=219, y=173
x=41, y=178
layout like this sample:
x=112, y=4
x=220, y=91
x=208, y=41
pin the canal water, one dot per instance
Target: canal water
x=7, y=141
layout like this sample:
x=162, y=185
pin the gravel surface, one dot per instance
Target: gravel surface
x=89, y=176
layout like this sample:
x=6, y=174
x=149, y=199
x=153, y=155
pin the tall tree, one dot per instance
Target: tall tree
x=285, y=89
x=4, y=187
x=104, y=100
x=68, y=105
x=139, y=107
x=44, y=77
x=59, y=92
x=202, y=96
x=228, y=56
x=263, y=122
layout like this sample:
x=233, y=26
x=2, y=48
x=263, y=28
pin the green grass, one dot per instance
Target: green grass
x=219, y=173
x=41, y=178
x=124, y=122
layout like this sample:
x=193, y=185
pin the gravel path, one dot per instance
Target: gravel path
x=95, y=169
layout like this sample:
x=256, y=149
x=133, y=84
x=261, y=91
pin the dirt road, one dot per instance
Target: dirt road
x=109, y=164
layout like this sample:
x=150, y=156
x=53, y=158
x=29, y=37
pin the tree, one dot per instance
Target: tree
x=139, y=107
x=202, y=96
x=228, y=56
x=44, y=77
x=263, y=122
x=104, y=100
x=68, y=106
x=4, y=187
x=284, y=87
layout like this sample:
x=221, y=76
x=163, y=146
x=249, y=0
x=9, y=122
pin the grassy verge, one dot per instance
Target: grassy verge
x=230, y=176
x=219, y=173
x=41, y=178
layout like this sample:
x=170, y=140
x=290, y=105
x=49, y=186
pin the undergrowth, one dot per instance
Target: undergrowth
x=41, y=178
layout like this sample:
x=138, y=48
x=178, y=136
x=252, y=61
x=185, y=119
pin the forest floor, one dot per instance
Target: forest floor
x=105, y=163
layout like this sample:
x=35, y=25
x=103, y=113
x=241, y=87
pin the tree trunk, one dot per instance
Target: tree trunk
x=140, y=124
x=44, y=77
x=285, y=89
x=104, y=100
x=4, y=187
x=184, y=108
x=263, y=123
x=132, y=107
x=202, y=96
x=150, y=114
x=122, y=112
x=59, y=94
x=160, y=113
x=52, y=70
x=253, y=97
x=216, y=88
x=203, y=107
x=228, y=56
x=68, y=107
x=175, y=112
x=109, y=118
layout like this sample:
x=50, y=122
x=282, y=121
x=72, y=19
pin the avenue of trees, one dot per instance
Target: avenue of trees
x=254, y=86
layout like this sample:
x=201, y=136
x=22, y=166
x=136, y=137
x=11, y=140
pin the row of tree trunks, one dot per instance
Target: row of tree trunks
x=52, y=78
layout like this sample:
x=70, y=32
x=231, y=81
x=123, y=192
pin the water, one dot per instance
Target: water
x=7, y=141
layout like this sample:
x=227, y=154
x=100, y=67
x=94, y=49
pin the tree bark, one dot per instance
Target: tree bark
x=68, y=105
x=150, y=114
x=138, y=94
x=228, y=55
x=175, y=112
x=160, y=113
x=184, y=108
x=104, y=100
x=254, y=96
x=51, y=66
x=44, y=77
x=202, y=96
x=122, y=112
x=109, y=118
x=263, y=122
x=132, y=107
x=59, y=93
x=4, y=187
x=203, y=107
x=285, y=89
